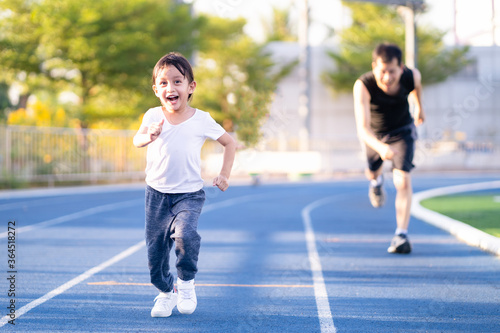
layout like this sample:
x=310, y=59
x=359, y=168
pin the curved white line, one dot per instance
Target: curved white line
x=320, y=293
x=460, y=230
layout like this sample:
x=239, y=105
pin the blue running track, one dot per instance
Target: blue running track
x=297, y=257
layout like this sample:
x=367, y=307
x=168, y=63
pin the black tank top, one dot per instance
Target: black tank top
x=389, y=113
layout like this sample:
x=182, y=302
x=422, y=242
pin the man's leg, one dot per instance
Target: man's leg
x=373, y=175
x=402, y=182
x=376, y=189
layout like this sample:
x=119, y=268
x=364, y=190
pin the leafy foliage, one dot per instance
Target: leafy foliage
x=279, y=28
x=104, y=52
x=237, y=78
x=373, y=24
x=4, y=101
x=40, y=115
x=92, y=48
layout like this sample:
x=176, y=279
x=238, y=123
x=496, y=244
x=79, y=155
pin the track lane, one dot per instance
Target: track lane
x=443, y=285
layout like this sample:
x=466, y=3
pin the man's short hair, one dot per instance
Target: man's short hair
x=387, y=52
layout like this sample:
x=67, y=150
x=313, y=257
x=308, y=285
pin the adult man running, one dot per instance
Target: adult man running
x=385, y=125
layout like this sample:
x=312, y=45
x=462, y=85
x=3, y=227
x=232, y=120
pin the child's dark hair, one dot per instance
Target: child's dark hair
x=387, y=52
x=179, y=61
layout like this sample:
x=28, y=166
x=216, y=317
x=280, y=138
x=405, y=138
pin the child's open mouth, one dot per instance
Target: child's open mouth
x=172, y=98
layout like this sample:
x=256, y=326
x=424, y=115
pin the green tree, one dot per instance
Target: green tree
x=102, y=50
x=279, y=27
x=20, y=59
x=40, y=115
x=373, y=24
x=4, y=101
x=237, y=78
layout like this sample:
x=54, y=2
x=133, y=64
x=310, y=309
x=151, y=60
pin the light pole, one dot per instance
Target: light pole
x=408, y=14
x=304, y=76
x=407, y=10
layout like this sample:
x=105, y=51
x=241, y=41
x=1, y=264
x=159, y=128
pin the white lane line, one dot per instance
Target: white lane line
x=32, y=203
x=65, y=191
x=77, y=215
x=82, y=277
x=109, y=207
x=235, y=201
x=320, y=293
x=460, y=230
x=59, y=290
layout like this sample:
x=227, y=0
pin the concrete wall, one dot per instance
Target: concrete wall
x=461, y=131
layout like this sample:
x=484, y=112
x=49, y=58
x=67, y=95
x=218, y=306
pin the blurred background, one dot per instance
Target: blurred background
x=75, y=81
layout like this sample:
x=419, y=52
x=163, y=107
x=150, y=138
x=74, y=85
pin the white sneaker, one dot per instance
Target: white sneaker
x=164, y=304
x=186, y=302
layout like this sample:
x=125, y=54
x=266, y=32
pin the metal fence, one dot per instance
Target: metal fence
x=38, y=154
x=51, y=155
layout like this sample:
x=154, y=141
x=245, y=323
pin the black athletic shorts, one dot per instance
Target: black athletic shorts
x=402, y=140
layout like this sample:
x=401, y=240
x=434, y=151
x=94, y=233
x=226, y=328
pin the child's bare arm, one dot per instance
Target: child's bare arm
x=222, y=180
x=146, y=135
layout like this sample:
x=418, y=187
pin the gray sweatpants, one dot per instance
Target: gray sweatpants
x=172, y=217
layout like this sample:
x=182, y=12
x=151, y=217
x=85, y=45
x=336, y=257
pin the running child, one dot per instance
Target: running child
x=174, y=134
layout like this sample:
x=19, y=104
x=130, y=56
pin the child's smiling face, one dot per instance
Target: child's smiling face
x=173, y=89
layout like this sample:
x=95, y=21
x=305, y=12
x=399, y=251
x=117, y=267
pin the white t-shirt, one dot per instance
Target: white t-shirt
x=173, y=159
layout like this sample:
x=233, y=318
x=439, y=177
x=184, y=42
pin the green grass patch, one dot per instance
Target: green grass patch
x=482, y=211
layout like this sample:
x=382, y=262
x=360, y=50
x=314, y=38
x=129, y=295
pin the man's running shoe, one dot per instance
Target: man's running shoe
x=376, y=195
x=400, y=244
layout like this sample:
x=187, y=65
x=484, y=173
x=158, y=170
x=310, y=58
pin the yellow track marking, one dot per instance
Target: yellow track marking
x=114, y=283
